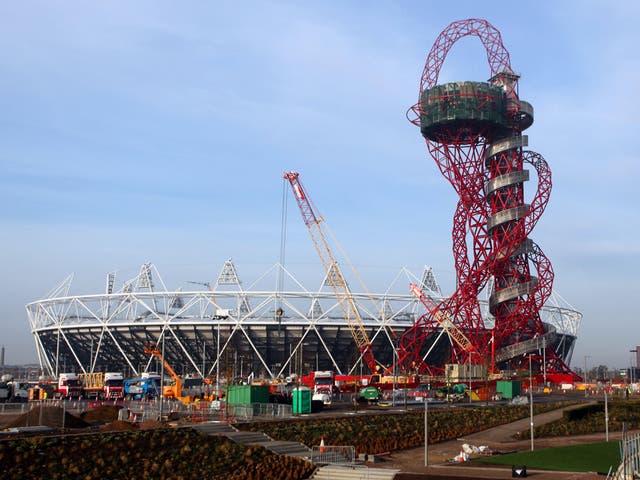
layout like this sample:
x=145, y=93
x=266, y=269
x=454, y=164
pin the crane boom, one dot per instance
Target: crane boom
x=313, y=220
x=443, y=319
x=151, y=350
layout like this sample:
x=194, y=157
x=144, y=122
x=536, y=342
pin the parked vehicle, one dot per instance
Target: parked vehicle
x=141, y=388
x=69, y=386
x=5, y=392
x=100, y=385
x=369, y=394
x=422, y=392
x=324, y=387
x=13, y=390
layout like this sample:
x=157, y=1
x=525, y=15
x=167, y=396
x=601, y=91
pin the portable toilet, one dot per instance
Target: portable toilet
x=301, y=400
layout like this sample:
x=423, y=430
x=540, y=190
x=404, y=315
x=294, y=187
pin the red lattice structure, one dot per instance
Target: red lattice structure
x=473, y=131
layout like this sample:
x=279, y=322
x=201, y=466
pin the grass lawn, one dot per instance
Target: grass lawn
x=593, y=457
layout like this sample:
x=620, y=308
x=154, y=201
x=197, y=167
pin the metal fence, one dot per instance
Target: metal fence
x=629, y=468
x=13, y=408
x=140, y=411
x=205, y=411
x=333, y=455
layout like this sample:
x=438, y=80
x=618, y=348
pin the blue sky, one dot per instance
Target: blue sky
x=159, y=131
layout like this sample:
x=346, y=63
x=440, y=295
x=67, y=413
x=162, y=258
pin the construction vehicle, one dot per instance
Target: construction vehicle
x=334, y=278
x=324, y=386
x=142, y=388
x=40, y=391
x=176, y=390
x=5, y=392
x=369, y=394
x=99, y=385
x=13, y=390
x=69, y=386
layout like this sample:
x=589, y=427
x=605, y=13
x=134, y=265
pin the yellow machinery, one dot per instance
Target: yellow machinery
x=169, y=391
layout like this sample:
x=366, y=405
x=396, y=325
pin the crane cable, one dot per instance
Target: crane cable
x=283, y=241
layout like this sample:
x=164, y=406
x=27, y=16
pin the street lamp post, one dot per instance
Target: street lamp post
x=426, y=433
x=586, y=375
x=544, y=360
x=531, y=402
x=218, y=362
x=469, y=370
x=606, y=415
x=631, y=369
x=162, y=382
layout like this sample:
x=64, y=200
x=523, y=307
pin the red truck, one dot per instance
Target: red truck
x=69, y=386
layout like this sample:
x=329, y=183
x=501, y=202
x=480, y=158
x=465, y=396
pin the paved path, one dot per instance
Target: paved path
x=498, y=439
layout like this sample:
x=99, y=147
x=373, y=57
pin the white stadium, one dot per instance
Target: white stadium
x=223, y=328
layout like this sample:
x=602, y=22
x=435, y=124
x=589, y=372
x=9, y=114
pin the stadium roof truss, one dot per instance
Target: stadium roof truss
x=205, y=331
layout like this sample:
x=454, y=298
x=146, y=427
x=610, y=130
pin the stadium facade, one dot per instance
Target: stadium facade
x=227, y=330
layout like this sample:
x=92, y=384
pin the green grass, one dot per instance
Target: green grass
x=593, y=457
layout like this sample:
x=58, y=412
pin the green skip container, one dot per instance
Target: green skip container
x=248, y=394
x=509, y=388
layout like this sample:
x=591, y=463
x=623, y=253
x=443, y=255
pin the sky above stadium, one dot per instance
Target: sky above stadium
x=135, y=132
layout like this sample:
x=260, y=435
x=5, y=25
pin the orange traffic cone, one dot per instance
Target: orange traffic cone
x=322, y=444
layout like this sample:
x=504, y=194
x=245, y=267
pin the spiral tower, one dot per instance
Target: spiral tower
x=473, y=131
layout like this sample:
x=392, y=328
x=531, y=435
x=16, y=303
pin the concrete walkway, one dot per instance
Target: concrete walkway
x=353, y=472
x=504, y=434
x=293, y=449
x=498, y=439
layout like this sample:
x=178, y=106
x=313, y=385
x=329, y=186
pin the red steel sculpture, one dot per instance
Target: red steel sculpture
x=473, y=131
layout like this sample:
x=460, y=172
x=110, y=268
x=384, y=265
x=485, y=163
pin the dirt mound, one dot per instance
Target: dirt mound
x=101, y=414
x=151, y=424
x=118, y=426
x=50, y=416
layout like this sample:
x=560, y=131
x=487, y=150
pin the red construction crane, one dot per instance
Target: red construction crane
x=334, y=276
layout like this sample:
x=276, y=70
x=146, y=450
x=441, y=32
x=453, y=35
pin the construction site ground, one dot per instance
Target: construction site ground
x=499, y=440
x=411, y=462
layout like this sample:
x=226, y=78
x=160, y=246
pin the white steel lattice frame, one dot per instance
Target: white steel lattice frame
x=120, y=323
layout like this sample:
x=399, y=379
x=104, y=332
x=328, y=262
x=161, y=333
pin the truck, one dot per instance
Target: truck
x=141, y=388
x=12, y=390
x=324, y=387
x=69, y=386
x=99, y=385
x=5, y=392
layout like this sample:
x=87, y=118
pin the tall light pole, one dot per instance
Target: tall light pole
x=544, y=360
x=606, y=415
x=426, y=433
x=204, y=356
x=586, y=375
x=162, y=380
x=218, y=362
x=631, y=369
x=531, y=402
x=469, y=372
